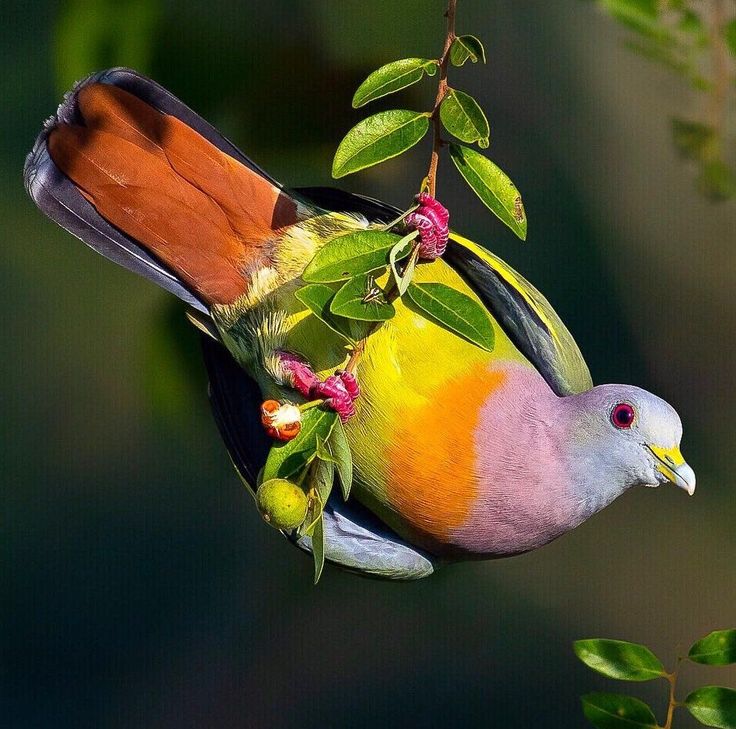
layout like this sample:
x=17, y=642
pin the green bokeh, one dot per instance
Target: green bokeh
x=140, y=587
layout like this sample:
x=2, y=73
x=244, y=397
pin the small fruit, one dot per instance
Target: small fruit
x=282, y=503
x=281, y=420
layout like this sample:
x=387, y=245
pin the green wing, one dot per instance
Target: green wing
x=525, y=315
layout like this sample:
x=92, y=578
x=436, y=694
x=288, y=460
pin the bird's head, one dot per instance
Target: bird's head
x=626, y=437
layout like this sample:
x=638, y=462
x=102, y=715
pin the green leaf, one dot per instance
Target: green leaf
x=730, y=35
x=615, y=711
x=717, y=181
x=466, y=47
x=349, y=255
x=716, y=649
x=399, y=251
x=323, y=478
x=363, y=299
x=691, y=23
x=317, y=298
x=454, y=310
x=323, y=452
x=492, y=186
x=713, y=706
x=286, y=459
x=635, y=14
x=378, y=138
x=659, y=53
x=619, y=659
x=693, y=140
x=318, y=548
x=461, y=116
x=340, y=448
x=316, y=502
x=392, y=78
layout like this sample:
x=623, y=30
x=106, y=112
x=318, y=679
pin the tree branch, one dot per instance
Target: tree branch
x=672, y=702
x=444, y=61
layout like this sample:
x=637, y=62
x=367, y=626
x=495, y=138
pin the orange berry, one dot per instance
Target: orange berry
x=281, y=420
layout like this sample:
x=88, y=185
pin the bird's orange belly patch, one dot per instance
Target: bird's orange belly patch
x=433, y=472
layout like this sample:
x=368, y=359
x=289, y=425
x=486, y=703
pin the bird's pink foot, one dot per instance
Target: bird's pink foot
x=431, y=219
x=339, y=391
x=336, y=390
x=298, y=373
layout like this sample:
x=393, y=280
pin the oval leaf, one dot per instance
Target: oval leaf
x=466, y=47
x=323, y=478
x=492, y=186
x=378, y=138
x=286, y=459
x=391, y=78
x=323, y=453
x=317, y=298
x=713, y=706
x=315, y=502
x=461, y=116
x=716, y=649
x=350, y=255
x=454, y=310
x=614, y=711
x=341, y=450
x=619, y=659
x=363, y=299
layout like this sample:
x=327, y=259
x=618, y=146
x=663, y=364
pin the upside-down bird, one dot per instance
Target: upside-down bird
x=458, y=452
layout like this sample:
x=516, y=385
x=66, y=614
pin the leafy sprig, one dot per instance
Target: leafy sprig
x=311, y=460
x=696, y=41
x=624, y=661
x=387, y=134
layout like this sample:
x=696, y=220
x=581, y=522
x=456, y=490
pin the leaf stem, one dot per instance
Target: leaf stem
x=672, y=679
x=444, y=60
x=396, y=221
x=309, y=405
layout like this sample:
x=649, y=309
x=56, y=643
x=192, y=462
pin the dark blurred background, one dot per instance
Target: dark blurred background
x=139, y=586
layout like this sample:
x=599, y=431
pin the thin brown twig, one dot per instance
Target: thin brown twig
x=672, y=703
x=442, y=87
x=431, y=179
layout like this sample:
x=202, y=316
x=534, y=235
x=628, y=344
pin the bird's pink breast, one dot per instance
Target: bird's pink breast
x=524, y=498
x=481, y=469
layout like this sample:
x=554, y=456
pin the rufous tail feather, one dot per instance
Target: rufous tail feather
x=203, y=214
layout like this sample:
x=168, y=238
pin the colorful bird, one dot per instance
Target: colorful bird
x=459, y=453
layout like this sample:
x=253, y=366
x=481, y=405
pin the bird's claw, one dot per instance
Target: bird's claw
x=297, y=373
x=339, y=391
x=431, y=219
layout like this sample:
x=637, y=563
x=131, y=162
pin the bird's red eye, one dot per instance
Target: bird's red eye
x=622, y=415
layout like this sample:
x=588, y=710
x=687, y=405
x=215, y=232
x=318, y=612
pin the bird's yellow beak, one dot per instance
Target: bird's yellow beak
x=671, y=464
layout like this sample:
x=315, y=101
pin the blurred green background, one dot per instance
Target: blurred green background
x=140, y=588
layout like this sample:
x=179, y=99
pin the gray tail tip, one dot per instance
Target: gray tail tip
x=66, y=112
x=33, y=166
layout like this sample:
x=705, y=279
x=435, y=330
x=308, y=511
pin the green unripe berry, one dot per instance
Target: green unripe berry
x=282, y=503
